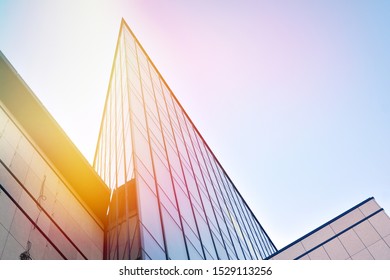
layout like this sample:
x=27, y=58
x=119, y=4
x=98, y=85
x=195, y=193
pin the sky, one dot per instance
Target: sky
x=293, y=97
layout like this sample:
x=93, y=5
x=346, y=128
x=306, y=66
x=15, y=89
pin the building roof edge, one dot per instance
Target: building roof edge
x=46, y=133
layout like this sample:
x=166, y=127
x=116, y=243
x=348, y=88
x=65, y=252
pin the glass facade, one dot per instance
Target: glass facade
x=150, y=154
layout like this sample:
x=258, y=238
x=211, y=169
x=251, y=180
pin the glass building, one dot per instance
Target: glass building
x=170, y=197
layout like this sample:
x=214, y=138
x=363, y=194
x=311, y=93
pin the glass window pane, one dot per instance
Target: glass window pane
x=174, y=237
x=148, y=210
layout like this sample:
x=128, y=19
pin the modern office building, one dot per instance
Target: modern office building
x=155, y=191
x=171, y=198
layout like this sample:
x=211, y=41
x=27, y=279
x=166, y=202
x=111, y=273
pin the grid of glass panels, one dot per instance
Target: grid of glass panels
x=188, y=207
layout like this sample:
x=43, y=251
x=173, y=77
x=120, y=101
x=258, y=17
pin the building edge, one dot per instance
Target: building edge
x=71, y=165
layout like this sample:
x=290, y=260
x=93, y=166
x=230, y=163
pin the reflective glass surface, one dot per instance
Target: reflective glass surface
x=188, y=207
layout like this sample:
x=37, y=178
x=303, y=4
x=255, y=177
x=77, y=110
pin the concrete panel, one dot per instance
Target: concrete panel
x=335, y=250
x=38, y=165
x=20, y=228
x=77, y=218
x=52, y=181
x=94, y=232
x=7, y=152
x=60, y=215
x=3, y=121
x=29, y=206
x=319, y=254
x=7, y=211
x=3, y=238
x=367, y=233
x=12, y=249
x=25, y=149
x=9, y=183
x=88, y=226
x=95, y=253
x=351, y=242
x=75, y=209
x=38, y=245
x=369, y=207
x=76, y=233
x=51, y=254
x=347, y=220
x=64, y=196
x=387, y=240
x=291, y=253
x=88, y=248
x=363, y=255
x=62, y=243
x=12, y=134
x=19, y=167
x=317, y=238
x=44, y=223
x=47, y=200
x=33, y=183
x=381, y=223
x=79, y=256
x=380, y=250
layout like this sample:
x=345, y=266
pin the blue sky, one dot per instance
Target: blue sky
x=293, y=97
